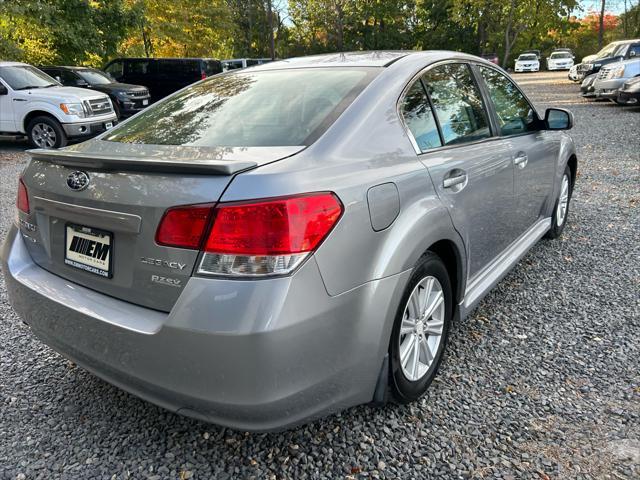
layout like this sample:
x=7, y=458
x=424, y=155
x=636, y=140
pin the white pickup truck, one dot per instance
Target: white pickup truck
x=34, y=104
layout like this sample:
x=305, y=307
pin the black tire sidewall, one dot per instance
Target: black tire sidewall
x=556, y=230
x=61, y=137
x=403, y=389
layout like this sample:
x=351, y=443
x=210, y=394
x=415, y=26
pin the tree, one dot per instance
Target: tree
x=601, y=27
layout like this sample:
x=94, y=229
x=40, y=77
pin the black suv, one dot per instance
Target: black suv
x=127, y=99
x=614, y=52
x=162, y=76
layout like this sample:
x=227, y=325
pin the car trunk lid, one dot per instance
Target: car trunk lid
x=129, y=188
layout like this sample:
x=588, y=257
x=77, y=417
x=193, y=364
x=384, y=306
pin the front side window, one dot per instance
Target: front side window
x=249, y=109
x=419, y=118
x=26, y=77
x=457, y=103
x=515, y=114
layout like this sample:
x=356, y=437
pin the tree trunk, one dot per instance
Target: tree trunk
x=508, y=42
x=272, y=43
x=340, y=25
x=601, y=29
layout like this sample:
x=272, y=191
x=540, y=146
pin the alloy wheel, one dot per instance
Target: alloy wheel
x=422, y=328
x=44, y=135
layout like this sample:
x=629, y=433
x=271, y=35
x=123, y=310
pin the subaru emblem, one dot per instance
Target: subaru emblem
x=78, y=181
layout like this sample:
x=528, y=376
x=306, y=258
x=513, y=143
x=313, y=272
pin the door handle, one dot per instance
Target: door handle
x=19, y=100
x=521, y=160
x=455, y=180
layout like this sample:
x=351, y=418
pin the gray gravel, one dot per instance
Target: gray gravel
x=542, y=381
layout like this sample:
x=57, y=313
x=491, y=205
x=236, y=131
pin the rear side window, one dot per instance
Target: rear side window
x=515, y=114
x=115, y=69
x=245, y=109
x=457, y=103
x=212, y=67
x=137, y=67
x=419, y=118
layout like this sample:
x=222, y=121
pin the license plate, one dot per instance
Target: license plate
x=108, y=125
x=88, y=249
x=145, y=102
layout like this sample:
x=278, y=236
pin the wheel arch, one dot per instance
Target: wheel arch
x=572, y=163
x=37, y=113
x=452, y=258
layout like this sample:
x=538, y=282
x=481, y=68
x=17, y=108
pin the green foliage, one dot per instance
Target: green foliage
x=94, y=31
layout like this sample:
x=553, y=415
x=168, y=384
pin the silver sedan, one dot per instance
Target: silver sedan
x=275, y=244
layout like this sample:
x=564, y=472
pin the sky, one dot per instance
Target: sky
x=612, y=6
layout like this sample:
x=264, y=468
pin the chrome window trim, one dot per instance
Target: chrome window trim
x=494, y=135
x=417, y=77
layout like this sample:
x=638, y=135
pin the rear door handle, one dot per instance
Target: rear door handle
x=460, y=179
x=521, y=160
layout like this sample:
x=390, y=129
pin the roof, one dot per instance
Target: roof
x=380, y=58
x=12, y=64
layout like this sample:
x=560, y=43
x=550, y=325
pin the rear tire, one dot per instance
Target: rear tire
x=561, y=207
x=421, y=329
x=46, y=132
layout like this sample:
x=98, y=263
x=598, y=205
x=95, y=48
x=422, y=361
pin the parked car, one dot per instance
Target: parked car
x=239, y=63
x=611, y=77
x=296, y=239
x=573, y=74
x=527, y=62
x=612, y=53
x=127, y=99
x=537, y=53
x=491, y=57
x=34, y=104
x=559, y=61
x=587, y=88
x=629, y=93
x=162, y=76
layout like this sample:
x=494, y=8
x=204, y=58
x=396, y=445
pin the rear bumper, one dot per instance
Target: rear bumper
x=252, y=355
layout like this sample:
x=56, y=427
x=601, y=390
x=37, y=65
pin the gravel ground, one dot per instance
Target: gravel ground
x=542, y=381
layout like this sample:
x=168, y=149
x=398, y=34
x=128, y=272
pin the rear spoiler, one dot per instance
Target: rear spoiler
x=103, y=161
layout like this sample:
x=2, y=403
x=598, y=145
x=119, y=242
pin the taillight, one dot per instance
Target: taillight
x=269, y=237
x=22, y=201
x=203, y=76
x=184, y=227
x=257, y=238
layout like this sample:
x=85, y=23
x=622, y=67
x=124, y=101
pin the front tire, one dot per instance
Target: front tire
x=561, y=207
x=46, y=132
x=421, y=329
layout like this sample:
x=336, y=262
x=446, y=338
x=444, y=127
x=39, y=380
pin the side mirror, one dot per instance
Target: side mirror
x=58, y=79
x=3, y=90
x=632, y=54
x=81, y=83
x=558, y=119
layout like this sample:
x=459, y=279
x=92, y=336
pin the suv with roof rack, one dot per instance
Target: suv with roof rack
x=34, y=104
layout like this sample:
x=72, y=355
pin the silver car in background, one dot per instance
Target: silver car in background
x=272, y=245
x=611, y=77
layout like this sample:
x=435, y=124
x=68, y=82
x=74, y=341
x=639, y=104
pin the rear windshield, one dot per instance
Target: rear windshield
x=249, y=109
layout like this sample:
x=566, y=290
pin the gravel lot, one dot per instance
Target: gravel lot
x=542, y=381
